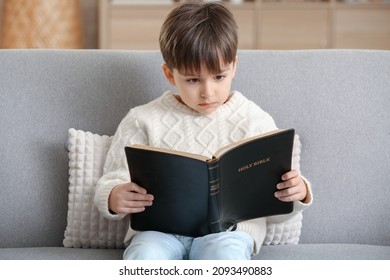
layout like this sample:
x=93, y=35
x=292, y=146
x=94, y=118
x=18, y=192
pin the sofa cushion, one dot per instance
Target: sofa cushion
x=59, y=253
x=88, y=229
x=328, y=251
x=287, y=252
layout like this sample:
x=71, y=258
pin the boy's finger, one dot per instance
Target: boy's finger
x=137, y=189
x=289, y=175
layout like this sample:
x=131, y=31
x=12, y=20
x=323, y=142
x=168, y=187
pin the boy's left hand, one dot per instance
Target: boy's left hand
x=293, y=188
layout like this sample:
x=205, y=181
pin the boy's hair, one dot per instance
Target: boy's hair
x=196, y=32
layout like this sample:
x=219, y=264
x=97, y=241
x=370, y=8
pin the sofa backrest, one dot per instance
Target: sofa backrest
x=337, y=100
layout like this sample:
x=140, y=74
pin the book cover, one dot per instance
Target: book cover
x=195, y=195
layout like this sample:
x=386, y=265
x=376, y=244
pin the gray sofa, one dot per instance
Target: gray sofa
x=337, y=100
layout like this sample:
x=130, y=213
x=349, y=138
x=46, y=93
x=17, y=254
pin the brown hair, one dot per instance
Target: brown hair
x=196, y=32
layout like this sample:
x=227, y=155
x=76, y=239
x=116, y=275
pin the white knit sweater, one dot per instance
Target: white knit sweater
x=167, y=123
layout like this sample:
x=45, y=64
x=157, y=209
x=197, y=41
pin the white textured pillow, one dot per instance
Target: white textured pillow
x=86, y=228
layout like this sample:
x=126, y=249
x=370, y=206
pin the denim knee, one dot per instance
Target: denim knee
x=235, y=245
x=153, y=245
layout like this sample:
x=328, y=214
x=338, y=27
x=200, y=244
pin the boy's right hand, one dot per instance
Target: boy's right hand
x=129, y=198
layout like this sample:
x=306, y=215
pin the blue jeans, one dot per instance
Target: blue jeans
x=154, y=245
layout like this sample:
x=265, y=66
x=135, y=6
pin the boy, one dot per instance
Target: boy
x=198, y=42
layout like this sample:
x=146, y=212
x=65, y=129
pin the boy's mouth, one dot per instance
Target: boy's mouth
x=208, y=104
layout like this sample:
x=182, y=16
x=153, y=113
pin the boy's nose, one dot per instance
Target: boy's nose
x=206, y=90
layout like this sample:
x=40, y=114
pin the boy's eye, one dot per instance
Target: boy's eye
x=193, y=81
x=220, y=77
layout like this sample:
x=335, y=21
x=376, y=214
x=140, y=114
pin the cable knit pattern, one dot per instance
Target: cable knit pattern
x=167, y=123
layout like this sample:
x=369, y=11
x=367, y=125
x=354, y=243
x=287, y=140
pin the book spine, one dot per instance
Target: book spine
x=214, y=197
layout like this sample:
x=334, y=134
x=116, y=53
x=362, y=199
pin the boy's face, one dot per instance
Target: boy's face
x=202, y=92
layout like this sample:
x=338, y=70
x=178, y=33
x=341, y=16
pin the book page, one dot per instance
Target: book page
x=231, y=146
x=172, y=152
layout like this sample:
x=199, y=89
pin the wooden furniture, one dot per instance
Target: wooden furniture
x=263, y=24
x=41, y=24
x=365, y=26
x=302, y=25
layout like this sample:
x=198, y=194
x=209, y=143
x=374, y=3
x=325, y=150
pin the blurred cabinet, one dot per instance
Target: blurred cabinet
x=135, y=27
x=263, y=24
x=293, y=26
x=246, y=18
x=361, y=26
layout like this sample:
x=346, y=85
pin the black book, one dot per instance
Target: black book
x=195, y=195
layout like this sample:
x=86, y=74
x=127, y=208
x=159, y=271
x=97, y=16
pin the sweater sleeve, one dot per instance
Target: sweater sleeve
x=115, y=170
x=259, y=121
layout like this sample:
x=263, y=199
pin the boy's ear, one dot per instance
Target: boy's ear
x=168, y=74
